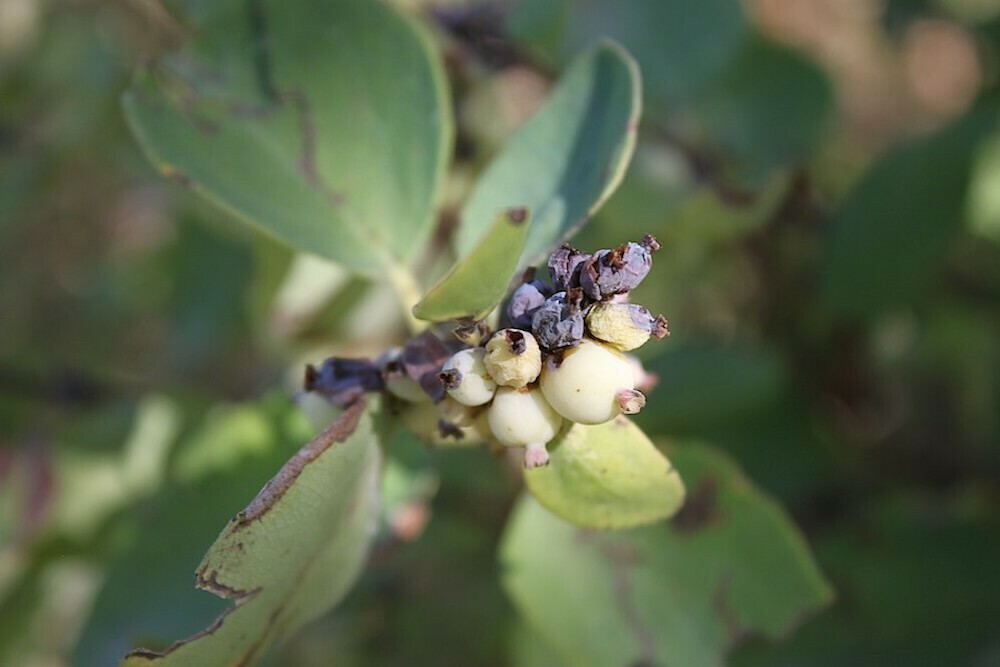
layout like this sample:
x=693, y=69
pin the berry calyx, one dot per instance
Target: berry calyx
x=523, y=418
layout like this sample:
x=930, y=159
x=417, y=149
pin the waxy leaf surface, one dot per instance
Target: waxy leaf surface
x=677, y=594
x=607, y=476
x=292, y=553
x=567, y=159
x=478, y=282
x=324, y=124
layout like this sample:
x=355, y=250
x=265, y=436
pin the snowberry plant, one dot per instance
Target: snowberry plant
x=328, y=126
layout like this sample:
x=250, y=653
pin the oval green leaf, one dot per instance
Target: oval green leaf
x=729, y=566
x=567, y=159
x=607, y=476
x=324, y=124
x=478, y=282
x=292, y=553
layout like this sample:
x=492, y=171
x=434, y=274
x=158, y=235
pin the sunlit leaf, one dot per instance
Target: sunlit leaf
x=567, y=159
x=728, y=566
x=606, y=476
x=292, y=553
x=146, y=594
x=479, y=281
x=323, y=123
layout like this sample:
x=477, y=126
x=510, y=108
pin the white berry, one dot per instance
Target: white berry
x=523, y=418
x=466, y=379
x=513, y=358
x=590, y=384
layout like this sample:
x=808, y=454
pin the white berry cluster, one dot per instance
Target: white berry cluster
x=560, y=358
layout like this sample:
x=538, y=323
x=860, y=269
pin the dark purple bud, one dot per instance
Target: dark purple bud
x=422, y=358
x=617, y=271
x=564, y=267
x=343, y=381
x=559, y=322
x=526, y=299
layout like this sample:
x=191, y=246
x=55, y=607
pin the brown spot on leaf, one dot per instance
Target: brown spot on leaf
x=517, y=215
x=700, y=509
x=182, y=179
x=210, y=582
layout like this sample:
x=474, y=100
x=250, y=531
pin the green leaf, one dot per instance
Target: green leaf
x=606, y=476
x=324, y=124
x=566, y=160
x=292, y=553
x=902, y=564
x=225, y=461
x=897, y=225
x=479, y=281
x=769, y=108
x=729, y=565
x=681, y=46
x=712, y=384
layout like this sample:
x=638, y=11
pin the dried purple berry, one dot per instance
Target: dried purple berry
x=526, y=299
x=559, y=322
x=564, y=267
x=343, y=381
x=422, y=359
x=617, y=271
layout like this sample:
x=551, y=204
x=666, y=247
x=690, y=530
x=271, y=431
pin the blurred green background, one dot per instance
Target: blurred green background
x=824, y=176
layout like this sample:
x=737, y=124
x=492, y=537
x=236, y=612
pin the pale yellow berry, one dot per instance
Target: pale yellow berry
x=513, y=358
x=625, y=326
